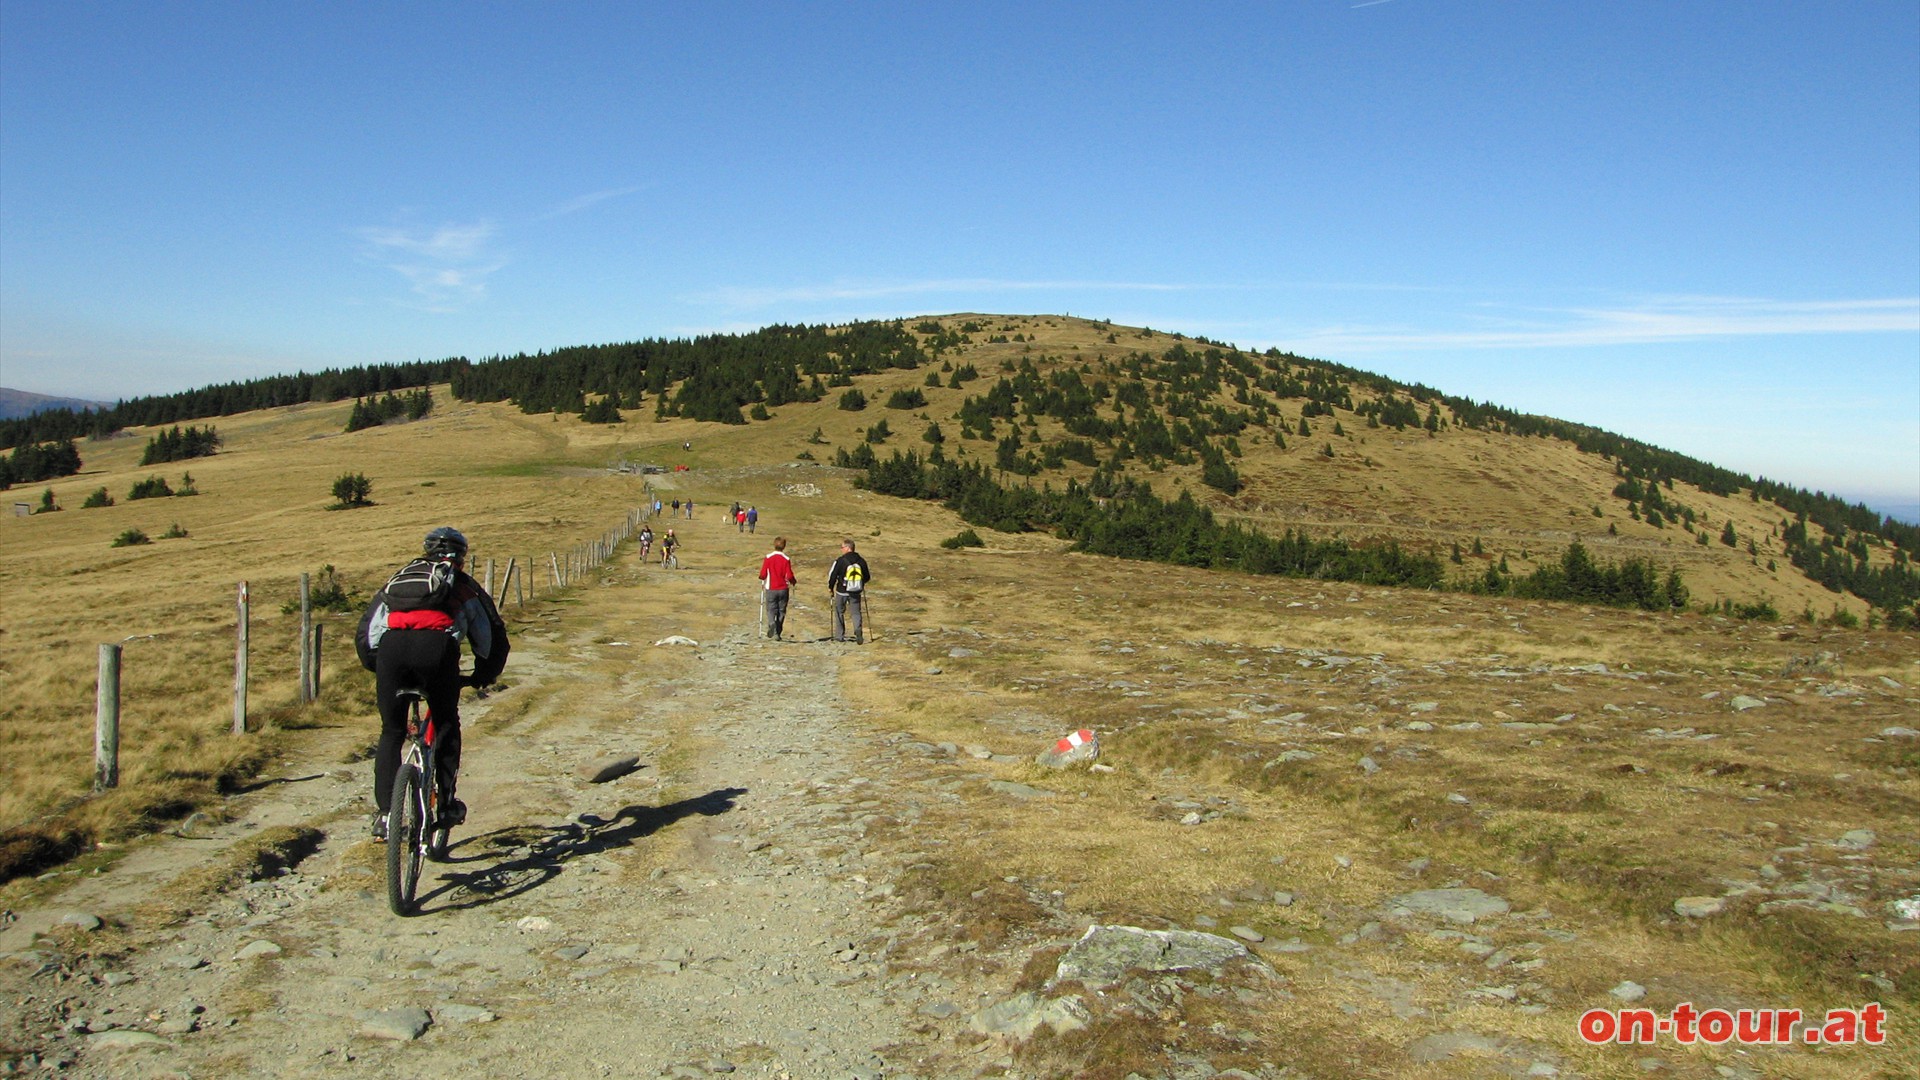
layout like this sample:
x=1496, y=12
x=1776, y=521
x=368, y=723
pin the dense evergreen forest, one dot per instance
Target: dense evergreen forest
x=227, y=399
x=711, y=378
x=1196, y=402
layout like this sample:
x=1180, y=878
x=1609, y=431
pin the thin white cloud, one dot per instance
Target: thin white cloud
x=446, y=267
x=1657, y=321
x=582, y=202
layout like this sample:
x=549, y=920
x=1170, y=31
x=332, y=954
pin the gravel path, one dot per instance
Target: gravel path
x=716, y=912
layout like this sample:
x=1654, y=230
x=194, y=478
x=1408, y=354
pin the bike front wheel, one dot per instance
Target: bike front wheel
x=405, y=822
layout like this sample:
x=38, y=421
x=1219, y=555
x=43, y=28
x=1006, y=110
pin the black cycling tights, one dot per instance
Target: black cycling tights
x=428, y=660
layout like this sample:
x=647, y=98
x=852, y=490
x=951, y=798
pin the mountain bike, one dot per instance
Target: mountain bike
x=416, y=829
x=670, y=559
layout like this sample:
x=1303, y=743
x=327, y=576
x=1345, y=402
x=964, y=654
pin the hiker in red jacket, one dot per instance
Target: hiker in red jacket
x=777, y=571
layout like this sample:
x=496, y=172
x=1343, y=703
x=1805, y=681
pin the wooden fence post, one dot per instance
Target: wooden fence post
x=106, y=721
x=313, y=692
x=306, y=639
x=240, y=668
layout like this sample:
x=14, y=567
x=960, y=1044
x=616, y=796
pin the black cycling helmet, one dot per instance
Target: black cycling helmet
x=446, y=542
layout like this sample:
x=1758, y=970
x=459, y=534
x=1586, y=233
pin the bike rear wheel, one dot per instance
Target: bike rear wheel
x=405, y=820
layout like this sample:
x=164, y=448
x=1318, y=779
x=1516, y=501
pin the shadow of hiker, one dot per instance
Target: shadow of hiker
x=536, y=862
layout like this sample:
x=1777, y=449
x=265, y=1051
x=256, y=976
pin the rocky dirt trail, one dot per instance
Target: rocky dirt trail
x=714, y=912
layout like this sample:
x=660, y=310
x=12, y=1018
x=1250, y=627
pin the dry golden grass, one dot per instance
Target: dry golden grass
x=517, y=485
x=1592, y=818
x=1199, y=683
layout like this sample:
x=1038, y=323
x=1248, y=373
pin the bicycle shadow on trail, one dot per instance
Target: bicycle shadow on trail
x=532, y=863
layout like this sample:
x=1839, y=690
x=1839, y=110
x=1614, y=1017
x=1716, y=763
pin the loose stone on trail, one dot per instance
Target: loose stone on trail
x=1017, y=790
x=1699, y=907
x=607, y=768
x=124, y=1039
x=1463, y=906
x=398, y=1025
x=1104, y=954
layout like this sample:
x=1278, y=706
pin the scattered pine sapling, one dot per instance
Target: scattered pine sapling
x=351, y=490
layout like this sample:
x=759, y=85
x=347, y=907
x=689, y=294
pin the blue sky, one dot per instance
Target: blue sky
x=1696, y=224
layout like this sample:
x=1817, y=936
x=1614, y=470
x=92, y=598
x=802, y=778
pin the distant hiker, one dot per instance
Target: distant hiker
x=656, y=508
x=739, y=520
x=777, y=571
x=410, y=637
x=676, y=508
x=689, y=509
x=847, y=583
x=670, y=550
x=753, y=518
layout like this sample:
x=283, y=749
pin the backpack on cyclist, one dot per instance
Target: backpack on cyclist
x=421, y=585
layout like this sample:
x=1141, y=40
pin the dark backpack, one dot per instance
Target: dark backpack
x=421, y=585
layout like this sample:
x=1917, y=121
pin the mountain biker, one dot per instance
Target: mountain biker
x=420, y=649
x=646, y=542
x=669, y=548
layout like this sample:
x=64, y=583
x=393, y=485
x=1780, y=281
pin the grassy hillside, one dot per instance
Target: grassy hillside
x=1334, y=745
x=524, y=484
x=1520, y=498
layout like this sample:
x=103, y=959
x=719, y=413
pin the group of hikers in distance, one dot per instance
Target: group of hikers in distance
x=411, y=631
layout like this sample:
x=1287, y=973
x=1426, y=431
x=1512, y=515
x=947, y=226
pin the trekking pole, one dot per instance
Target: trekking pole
x=866, y=614
x=763, y=612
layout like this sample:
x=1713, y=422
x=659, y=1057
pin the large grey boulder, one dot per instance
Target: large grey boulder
x=1104, y=954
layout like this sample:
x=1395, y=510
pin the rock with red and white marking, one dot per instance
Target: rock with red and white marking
x=1082, y=745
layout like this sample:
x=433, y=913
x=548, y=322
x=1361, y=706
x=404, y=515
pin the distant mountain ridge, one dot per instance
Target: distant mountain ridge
x=15, y=404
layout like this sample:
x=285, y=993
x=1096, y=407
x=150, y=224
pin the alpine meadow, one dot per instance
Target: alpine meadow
x=1443, y=732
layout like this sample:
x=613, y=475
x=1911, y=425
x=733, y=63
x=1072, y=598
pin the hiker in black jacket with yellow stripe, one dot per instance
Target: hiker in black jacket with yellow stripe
x=848, y=581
